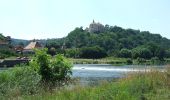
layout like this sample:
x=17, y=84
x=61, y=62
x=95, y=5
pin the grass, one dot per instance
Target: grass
x=152, y=85
x=108, y=60
x=18, y=81
x=119, y=61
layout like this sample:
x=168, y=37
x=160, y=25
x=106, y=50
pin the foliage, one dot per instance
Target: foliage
x=19, y=81
x=141, y=52
x=52, y=51
x=72, y=53
x=92, y=52
x=43, y=71
x=51, y=69
x=6, y=52
x=2, y=37
x=129, y=61
x=115, y=39
x=125, y=53
x=61, y=68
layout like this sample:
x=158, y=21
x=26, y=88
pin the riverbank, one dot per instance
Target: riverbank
x=108, y=60
x=120, y=61
x=139, y=86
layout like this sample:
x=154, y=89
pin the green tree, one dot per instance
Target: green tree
x=92, y=52
x=126, y=53
x=52, y=51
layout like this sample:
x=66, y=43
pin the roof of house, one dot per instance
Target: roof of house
x=33, y=45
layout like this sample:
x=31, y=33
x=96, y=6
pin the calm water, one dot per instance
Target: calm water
x=90, y=74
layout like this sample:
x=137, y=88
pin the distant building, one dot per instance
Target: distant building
x=32, y=45
x=18, y=48
x=96, y=27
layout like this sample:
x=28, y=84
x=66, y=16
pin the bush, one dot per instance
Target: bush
x=140, y=60
x=129, y=61
x=51, y=69
x=155, y=60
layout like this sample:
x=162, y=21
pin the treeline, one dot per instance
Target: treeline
x=114, y=41
x=6, y=48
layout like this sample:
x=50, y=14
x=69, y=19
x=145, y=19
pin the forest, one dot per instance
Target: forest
x=114, y=41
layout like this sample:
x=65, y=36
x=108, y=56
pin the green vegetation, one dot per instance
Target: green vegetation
x=51, y=69
x=5, y=47
x=152, y=85
x=2, y=37
x=44, y=73
x=114, y=41
x=108, y=60
x=19, y=81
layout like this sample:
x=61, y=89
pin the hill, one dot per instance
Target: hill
x=115, y=41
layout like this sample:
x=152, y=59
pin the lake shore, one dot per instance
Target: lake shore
x=120, y=61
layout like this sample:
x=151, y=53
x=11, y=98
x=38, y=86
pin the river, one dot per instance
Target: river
x=91, y=74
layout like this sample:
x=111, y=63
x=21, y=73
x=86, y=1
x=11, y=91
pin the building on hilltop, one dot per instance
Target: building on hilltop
x=96, y=27
x=32, y=45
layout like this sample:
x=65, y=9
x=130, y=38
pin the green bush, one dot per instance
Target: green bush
x=51, y=69
x=129, y=61
x=140, y=60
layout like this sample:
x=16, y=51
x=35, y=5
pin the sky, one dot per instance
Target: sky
x=42, y=19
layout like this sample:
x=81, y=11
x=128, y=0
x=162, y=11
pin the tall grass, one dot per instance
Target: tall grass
x=18, y=81
x=154, y=85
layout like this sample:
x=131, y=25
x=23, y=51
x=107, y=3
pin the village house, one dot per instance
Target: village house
x=29, y=49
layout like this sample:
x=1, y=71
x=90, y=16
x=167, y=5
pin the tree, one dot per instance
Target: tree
x=92, y=52
x=52, y=51
x=141, y=52
x=73, y=53
x=125, y=53
x=160, y=53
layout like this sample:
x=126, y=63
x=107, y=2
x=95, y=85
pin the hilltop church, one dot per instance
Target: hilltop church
x=96, y=27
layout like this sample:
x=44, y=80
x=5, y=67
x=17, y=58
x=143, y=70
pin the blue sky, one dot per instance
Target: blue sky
x=40, y=19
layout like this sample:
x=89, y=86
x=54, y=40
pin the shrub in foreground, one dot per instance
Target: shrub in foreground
x=52, y=69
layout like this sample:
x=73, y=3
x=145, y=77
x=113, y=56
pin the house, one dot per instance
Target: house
x=18, y=48
x=32, y=45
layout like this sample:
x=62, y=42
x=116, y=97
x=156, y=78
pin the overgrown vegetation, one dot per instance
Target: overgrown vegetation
x=44, y=73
